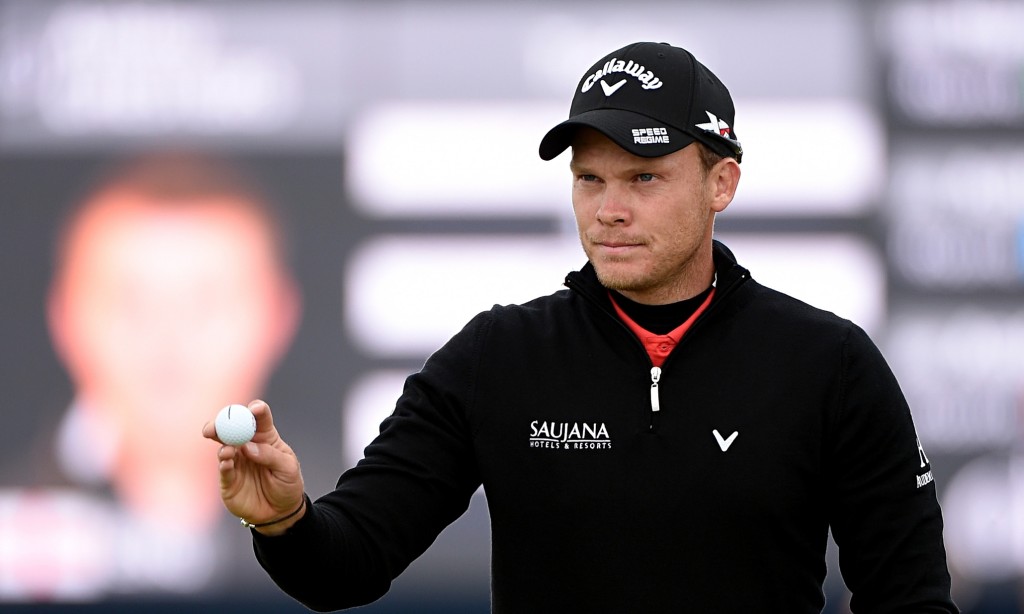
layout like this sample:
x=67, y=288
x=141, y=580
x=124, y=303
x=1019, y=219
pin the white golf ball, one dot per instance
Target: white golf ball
x=235, y=425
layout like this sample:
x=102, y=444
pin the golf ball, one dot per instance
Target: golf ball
x=235, y=425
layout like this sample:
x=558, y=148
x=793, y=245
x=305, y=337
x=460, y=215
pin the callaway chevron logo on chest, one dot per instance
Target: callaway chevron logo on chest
x=569, y=435
x=614, y=65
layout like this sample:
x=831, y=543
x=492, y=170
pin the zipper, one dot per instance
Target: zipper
x=655, y=399
x=572, y=284
x=655, y=378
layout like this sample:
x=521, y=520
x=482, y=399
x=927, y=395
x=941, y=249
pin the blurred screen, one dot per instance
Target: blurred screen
x=202, y=203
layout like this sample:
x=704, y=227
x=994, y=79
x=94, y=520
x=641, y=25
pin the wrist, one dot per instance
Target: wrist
x=278, y=525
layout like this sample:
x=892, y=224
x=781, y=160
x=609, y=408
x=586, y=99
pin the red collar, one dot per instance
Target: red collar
x=660, y=346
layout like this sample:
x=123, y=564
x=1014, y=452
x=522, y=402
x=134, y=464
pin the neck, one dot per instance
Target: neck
x=697, y=278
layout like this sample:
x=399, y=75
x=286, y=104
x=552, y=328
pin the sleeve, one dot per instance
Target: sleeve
x=415, y=479
x=884, y=513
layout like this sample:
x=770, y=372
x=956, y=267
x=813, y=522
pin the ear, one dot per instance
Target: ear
x=723, y=178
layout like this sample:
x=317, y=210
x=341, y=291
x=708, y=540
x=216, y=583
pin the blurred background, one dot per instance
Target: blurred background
x=204, y=202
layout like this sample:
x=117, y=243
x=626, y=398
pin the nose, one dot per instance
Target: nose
x=614, y=207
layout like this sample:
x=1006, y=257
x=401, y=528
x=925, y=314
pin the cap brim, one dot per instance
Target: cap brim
x=636, y=133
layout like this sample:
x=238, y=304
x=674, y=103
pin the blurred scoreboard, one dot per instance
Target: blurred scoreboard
x=952, y=75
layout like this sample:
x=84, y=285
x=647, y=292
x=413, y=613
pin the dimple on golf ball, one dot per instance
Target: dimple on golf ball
x=235, y=425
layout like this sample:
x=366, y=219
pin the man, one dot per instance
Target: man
x=170, y=295
x=666, y=435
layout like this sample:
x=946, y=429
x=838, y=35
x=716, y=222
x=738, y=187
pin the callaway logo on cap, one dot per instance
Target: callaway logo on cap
x=651, y=99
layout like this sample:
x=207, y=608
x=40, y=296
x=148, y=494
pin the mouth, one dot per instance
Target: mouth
x=616, y=248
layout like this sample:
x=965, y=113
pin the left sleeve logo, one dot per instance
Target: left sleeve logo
x=926, y=477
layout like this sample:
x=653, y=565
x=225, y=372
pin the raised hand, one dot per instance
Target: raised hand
x=260, y=481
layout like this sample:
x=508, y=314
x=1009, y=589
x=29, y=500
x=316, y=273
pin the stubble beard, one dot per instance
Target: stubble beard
x=652, y=281
x=618, y=273
x=611, y=277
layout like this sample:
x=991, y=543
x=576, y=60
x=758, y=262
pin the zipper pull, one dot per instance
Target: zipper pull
x=655, y=378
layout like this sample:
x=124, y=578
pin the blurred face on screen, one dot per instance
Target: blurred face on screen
x=164, y=310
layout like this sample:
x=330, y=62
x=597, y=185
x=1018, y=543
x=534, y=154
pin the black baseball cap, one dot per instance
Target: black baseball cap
x=651, y=99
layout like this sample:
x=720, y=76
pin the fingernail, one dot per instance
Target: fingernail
x=252, y=449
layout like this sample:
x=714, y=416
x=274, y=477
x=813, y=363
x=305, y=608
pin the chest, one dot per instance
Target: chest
x=614, y=436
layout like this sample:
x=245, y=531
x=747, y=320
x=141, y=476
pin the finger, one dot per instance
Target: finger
x=227, y=452
x=264, y=418
x=210, y=431
x=226, y=465
x=270, y=457
x=226, y=468
x=227, y=473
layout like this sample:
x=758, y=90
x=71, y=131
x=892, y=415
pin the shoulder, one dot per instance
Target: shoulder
x=518, y=318
x=763, y=307
x=772, y=310
x=540, y=307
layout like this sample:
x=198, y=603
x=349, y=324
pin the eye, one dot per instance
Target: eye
x=645, y=177
x=585, y=178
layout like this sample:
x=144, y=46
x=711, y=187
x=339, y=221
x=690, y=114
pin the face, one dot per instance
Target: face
x=646, y=223
x=165, y=312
